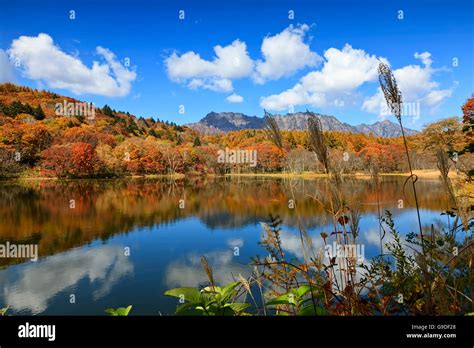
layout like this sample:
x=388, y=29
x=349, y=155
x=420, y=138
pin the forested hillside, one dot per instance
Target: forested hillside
x=45, y=134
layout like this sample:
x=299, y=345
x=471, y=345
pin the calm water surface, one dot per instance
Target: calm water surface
x=83, y=250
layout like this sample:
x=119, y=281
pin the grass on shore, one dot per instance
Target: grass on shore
x=423, y=173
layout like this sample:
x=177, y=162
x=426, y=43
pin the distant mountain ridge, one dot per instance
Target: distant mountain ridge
x=215, y=122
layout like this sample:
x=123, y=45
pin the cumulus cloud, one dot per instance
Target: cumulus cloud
x=343, y=72
x=216, y=85
x=6, y=69
x=41, y=59
x=235, y=98
x=336, y=84
x=416, y=85
x=230, y=62
x=284, y=54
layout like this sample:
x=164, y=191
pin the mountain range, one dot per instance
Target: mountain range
x=215, y=122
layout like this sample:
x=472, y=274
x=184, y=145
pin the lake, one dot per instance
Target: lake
x=111, y=243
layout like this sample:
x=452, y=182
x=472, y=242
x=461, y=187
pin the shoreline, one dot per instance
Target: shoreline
x=422, y=174
x=45, y=178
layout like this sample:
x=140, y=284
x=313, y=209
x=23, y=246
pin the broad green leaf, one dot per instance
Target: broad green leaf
x=208, y=299
x=283, y=299
x=204, y=311
x=211, y=290
x=190, y=294
x=122, y=312
x=302, y=290
x=228, y=292
x=111, y=311
x=237, y=307
x=184, y=307
x=189, y=309
x=229, y=288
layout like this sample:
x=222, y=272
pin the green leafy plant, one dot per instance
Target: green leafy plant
x=211, y=300
x=298, y=299
x=4, y=310
x=119, y=312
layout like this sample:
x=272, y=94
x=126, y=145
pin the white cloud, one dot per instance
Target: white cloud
x=235, y=98
x=343, y=72
x=425, y=58
x=216, y=85
x=284, y=54
x=6, y=69
x=42, y=60
x=230, y=62
x=416, y=84
x=435, y=97
x=374, y=103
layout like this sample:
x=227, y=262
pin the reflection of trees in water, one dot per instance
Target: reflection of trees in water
x=107, y=207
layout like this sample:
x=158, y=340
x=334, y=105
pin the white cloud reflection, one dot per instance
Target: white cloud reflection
x=39, y=282
x=189, y=272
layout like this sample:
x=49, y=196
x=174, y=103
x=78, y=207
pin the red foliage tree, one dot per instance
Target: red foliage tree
x=71, y=160
x=84, y=159
x=152, y=161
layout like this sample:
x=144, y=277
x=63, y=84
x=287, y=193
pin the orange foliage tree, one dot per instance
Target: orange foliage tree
x=386, y=157
x=468, y=122
x=72, y=160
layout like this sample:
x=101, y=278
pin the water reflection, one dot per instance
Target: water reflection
x=31, y=287
x=82, y=248
x=40, y=211
x=189, y=272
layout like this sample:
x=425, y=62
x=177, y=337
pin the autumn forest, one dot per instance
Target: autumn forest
x=37, y=142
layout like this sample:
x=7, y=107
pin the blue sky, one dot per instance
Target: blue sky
x=324, y=59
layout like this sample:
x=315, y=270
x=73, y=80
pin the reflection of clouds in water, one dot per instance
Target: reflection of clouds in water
x=372, y=237
x=291, y=242
x=39, y=282
x=189, y=272
x=237, y=242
